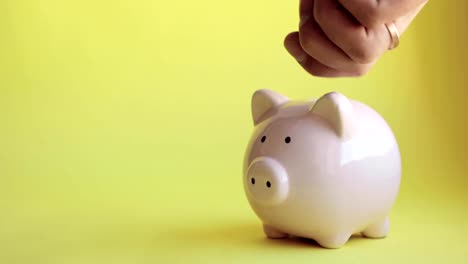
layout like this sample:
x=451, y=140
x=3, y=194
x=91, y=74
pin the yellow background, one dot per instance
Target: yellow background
x=123, y=125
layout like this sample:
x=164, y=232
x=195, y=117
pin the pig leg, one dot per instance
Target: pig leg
x=272, y=232
x=378, y=229
x=333, y=241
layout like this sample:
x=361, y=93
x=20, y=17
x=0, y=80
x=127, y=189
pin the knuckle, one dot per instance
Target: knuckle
x=291, y=38
x=362, y=53
x=371, y=14
x=319, y=15
x=307, y=42
x=361, y=70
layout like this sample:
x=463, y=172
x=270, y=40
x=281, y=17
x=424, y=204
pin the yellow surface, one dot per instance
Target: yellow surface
x=123, y=126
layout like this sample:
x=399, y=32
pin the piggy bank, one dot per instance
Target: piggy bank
x=321, y=169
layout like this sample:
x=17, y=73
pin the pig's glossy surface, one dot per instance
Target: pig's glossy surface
x=320, y=173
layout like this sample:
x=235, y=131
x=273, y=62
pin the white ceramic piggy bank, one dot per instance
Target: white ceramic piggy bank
x=322, y=169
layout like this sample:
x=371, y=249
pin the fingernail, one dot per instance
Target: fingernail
x=303, y=20
x=296, y=52
x=302, y=57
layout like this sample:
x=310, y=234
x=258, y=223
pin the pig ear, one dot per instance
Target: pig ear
x=338, y=111
x=263, y=101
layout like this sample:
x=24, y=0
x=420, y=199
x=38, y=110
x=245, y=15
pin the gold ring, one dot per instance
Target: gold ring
x=394, y=35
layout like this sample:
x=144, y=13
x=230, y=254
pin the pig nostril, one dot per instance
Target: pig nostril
x=268, y=184
x=252, y=180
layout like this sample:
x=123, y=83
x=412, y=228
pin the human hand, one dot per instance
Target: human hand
x=338, y=38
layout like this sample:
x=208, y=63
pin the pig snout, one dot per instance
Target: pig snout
x=267, y=181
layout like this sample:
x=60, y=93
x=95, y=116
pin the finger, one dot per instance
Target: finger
x=403, y=22
x=292, y=45
x=371, y=13
x=312, y=66
x=316, y=44
x=360, y=44
x=306, y=7
x=316, y=68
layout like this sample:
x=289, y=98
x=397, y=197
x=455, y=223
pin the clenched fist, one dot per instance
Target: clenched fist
x=346, y=37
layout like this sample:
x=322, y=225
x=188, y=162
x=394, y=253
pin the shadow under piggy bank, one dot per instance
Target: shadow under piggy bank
x=245, y=235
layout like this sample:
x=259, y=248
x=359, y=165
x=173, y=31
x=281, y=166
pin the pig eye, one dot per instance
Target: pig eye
x=252, y=180
x=287, y=140
x=268, y=184
x=263, y=139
